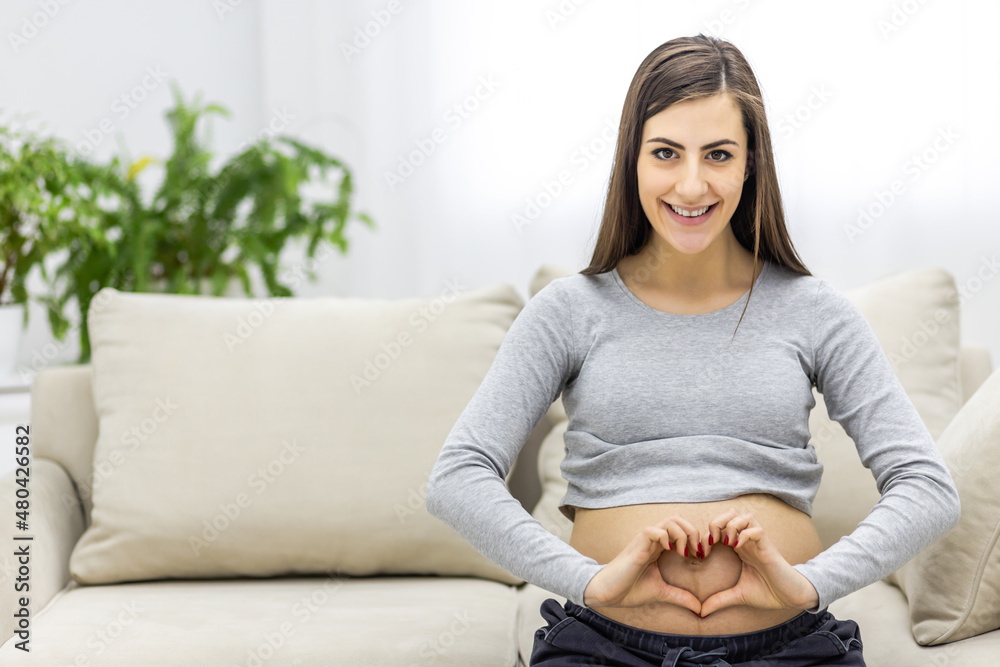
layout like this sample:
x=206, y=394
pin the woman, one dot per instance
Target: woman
x=690, y=477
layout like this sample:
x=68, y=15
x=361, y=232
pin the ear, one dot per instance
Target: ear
x=749, y=167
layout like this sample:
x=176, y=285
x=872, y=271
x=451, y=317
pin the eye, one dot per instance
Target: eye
x=725, y=155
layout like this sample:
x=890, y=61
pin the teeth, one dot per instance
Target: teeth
x=688, y=214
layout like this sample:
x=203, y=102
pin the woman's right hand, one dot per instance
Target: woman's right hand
x=632, y=578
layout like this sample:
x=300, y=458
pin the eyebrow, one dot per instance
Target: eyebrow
x=720, y=142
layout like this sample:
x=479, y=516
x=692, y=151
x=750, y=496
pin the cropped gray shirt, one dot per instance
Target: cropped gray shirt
x=667, y=408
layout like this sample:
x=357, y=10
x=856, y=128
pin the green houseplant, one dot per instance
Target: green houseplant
x=204, y=227
x=45, y=189
x=34, y=173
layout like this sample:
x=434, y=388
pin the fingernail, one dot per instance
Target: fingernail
x=725, y=540
x=711, y=540
x=695, y=613
x=685, y=551
x=701, y=551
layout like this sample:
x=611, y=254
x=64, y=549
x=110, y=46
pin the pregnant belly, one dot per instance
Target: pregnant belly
x=602, y=534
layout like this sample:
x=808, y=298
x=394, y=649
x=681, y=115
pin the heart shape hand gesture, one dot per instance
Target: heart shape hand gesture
x=767, y=580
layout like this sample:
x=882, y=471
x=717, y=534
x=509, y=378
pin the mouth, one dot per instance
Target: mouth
x=685, y=218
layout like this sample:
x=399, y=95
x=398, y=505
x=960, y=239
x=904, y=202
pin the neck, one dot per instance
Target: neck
x=718, y=268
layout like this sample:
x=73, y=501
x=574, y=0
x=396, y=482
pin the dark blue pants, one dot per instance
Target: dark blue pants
x=577, y=635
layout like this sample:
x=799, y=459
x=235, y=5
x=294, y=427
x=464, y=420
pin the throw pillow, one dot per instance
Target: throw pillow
x=953, y=585
x=258, y=437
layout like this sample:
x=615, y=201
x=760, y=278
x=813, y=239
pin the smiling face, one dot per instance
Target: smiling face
x=693, y=155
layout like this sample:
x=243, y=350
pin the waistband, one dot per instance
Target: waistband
x=735, y=647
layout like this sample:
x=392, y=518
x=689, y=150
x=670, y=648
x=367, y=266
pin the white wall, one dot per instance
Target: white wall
x=558, y=85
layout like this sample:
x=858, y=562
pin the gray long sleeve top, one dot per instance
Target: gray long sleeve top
x=654, y=396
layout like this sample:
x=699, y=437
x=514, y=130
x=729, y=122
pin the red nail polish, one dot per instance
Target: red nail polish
x=695, y=613
x=711, y=540
x=685, y=551
x=725, y=540
x=701, y=551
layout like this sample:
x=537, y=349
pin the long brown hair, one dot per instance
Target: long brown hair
x=689, y=68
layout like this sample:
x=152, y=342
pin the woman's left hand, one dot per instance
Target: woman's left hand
x=767, y=580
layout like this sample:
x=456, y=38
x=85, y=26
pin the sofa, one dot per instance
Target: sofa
x=240, y=482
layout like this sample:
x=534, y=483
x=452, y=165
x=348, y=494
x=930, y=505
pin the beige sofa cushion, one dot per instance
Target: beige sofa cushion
x=953, y=586
x=881, y=613
x=259, y=437
x=316, y=621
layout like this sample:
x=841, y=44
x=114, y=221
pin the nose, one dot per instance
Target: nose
x=691, y=184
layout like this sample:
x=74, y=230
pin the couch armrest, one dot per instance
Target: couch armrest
x=55, y=520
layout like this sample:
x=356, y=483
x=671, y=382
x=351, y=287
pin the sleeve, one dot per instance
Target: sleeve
x=466, y=488
x=919, y=501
